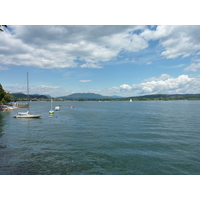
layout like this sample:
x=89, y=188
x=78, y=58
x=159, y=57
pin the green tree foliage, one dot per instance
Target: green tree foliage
x=4, y=97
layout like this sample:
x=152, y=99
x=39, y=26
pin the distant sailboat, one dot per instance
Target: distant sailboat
x=51, y=111
x=26, y=114
x=130, y=100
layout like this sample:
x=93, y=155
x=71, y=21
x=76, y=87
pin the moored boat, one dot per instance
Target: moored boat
x=57, y=108
x=51, y=111
x=26, y=114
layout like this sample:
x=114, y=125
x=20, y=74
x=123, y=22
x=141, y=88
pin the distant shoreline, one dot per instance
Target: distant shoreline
x=97, y=97
x=17, y=105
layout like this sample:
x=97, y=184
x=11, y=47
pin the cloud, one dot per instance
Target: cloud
x=193, y=67
x=90, y=65
x=44, y=89
x=3, y=68
x=174, y=66
x=181, y=84
x=148, y=63
x=51, y=47
x=176, y=40
x=161, y=77
x=47, y=87
x=38, y=89
x=65, y=46
x=125, y=87
x=85, y=81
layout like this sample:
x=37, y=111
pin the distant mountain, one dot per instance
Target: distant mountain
x=90, y=96
x=93, y=96
x=152, y=96
x=31, y=96
x=116, y=97
x=18, y=93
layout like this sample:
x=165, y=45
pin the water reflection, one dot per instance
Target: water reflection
x=2, y=123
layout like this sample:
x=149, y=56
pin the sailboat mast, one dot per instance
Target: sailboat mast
x=28, y=90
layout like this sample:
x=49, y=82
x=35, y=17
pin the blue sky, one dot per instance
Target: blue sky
x=108, y=60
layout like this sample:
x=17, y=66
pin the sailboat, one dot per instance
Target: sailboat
x=51, y=111
x=26, y=114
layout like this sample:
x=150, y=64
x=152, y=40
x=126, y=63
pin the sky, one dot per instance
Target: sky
x=122, y=60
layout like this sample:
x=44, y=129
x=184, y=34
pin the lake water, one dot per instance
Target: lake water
x=108, y=138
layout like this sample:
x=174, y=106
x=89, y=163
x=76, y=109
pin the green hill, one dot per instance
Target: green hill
x=90, y=96
x=168, y=97
x=21, y=96
x=93, y=96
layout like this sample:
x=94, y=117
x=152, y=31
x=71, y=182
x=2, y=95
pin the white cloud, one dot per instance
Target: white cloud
x=196, y=60
x=125, y=87
x=3, y=68
x=181, y=84
x=176, y=40
x=125, y=41
x=193, y=67
x=85, y=81
x=161, y=77
x=44, y=89
x=90, y=65
x=174, y=66
x=47, y=87
x=38, y=89
x=63, y=46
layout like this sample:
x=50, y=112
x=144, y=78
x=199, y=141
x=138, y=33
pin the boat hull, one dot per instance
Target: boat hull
x=51, y=112
x=27, y=116
x=57, y=108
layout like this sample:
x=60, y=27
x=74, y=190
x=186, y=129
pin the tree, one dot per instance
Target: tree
x=1, y=27
x=4, y=97
x=2, y=92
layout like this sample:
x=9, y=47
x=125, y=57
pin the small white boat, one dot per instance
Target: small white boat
x=57, y=108
x=26, y=114
x=130, y=100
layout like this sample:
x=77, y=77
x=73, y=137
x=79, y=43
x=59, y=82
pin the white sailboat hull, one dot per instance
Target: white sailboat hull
x=26, y=115
x=57, y=108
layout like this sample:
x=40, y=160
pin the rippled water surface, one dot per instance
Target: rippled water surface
x=152, y=137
